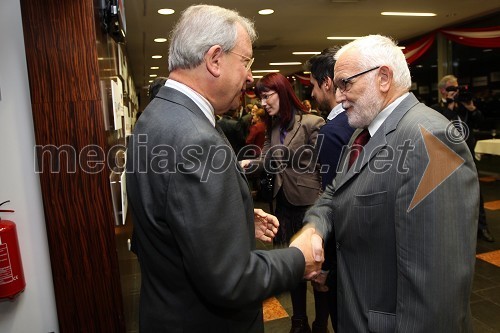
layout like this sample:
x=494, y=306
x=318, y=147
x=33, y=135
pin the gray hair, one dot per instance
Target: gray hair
x=377, y=50
x=446, y=79
x=201, y=27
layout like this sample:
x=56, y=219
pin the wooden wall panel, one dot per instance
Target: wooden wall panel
x=60, y=43
x=60, y=40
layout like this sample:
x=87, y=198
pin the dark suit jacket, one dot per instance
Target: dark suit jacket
x=470, y=120
x=335, y=134
x=298, y=160
x=404, y=268
x=194, y=226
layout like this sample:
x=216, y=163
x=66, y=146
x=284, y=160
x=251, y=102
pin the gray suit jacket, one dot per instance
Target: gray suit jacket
x=404, y=266
x=194, y=226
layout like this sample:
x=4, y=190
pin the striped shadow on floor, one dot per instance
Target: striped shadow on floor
x=491, y=257
x=273, y=309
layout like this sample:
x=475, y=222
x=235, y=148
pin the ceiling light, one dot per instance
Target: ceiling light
x=155, y=67
x=307, y=72
x=300, y=53
x=156, y=57
x=153, y=75
x=150, y=81
x=402, y=47
x=342, y=38
x=257, y=76
x=406, y=14
x=266, y=71
x=285, y=63
x=266, y=11
x=166, y=11
x=160, y=40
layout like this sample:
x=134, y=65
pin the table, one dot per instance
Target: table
x=491, y=146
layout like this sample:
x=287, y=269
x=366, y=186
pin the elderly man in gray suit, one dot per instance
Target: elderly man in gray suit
x=194, y=222
x=405, y=251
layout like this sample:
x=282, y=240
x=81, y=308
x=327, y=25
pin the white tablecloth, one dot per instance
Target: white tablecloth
x=491, y=146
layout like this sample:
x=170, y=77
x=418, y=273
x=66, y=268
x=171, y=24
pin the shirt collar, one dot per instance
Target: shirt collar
x=338, y=109
x=200, y=101
x=382, y=116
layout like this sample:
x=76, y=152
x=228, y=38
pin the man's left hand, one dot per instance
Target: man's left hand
x=266, y=225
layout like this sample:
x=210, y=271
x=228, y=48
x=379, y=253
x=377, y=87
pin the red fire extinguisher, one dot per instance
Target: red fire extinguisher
x=12, y=281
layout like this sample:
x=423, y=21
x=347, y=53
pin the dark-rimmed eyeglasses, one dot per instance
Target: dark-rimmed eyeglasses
x=346, y=84
x=264, y=98
x=250, y=60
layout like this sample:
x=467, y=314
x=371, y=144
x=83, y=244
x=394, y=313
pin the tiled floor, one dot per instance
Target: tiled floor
x=485, y=298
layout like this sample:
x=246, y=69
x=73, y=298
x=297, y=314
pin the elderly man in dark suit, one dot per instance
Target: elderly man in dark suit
x=405, y=252
x=194, y=222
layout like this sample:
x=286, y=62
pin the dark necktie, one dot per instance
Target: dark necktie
x=357, y=145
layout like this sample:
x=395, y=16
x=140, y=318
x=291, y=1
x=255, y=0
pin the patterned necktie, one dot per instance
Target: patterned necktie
x=357, y=145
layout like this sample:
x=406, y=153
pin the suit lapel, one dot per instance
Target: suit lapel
x=376, y=143
x=178, y=97
x=291, y=134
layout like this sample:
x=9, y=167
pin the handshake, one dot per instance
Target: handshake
x=310, y=244
x=307, y=241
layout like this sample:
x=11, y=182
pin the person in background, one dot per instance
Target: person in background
x=309, y=108
x=405, y=251
x=155, y=86
x=289, y=151
x=458, y=106
x=246, y=119
x=335, y=135
x=194, y=222
x=257, y=133
x=233, y=129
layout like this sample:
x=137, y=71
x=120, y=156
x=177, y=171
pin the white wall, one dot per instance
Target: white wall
x=35, y=309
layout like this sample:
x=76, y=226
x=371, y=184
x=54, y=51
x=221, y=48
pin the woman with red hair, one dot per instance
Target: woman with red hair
x=290, y=153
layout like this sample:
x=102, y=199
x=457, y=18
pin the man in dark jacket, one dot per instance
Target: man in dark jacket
x=458, y=106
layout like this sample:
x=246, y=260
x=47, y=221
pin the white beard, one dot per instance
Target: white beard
x=368, y=106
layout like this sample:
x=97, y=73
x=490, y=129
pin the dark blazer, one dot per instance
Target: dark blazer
x=194, y=226
x=299, y=171
x=403, y=268
x=334, y=135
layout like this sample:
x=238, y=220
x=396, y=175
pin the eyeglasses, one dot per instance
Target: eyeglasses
x=250, y=60
x=345, y=84
x=264, y=98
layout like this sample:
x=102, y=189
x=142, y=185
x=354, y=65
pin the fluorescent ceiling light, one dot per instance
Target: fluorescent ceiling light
x=406, y=14
x=402, y=47
x=266, y=11
x=300, y=53
x=153, y=75
x=150, y=81
x=342, y=38
x=166, y=11
x=307, y=72
x=285, y=63
x=257, y=76
x=156, y=57
x=160, y=40
x=155, y=67
x=266, y=71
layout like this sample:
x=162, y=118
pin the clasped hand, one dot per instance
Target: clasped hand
x=311, y=245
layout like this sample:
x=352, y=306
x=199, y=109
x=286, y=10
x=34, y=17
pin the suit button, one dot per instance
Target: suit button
x=337, y=245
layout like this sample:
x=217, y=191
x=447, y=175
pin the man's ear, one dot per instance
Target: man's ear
x=328, y=83
x=213, y=59
x=385, y=76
